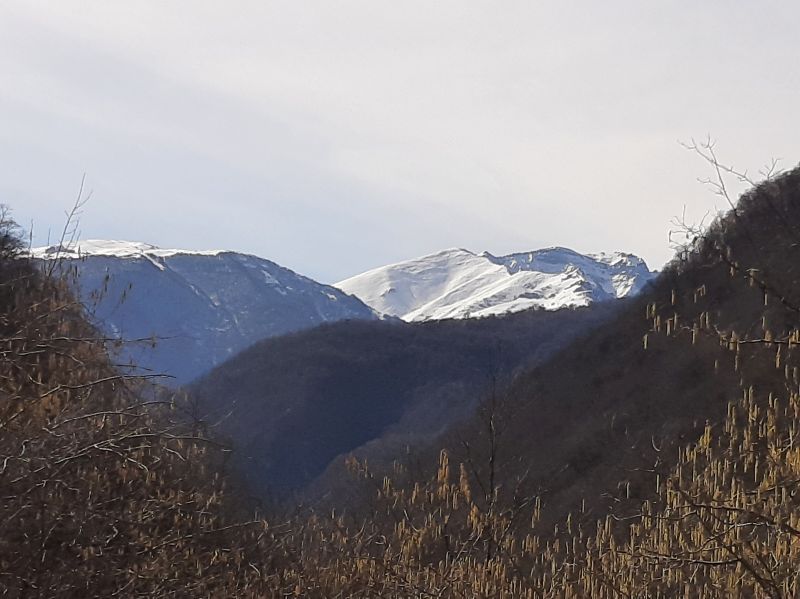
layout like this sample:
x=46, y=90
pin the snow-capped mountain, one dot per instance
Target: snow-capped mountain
x=204, y=306
x=457, y=283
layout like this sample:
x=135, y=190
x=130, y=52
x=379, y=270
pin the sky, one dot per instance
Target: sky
x=334, y=137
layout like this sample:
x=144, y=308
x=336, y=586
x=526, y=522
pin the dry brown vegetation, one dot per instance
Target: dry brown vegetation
x=104, y=493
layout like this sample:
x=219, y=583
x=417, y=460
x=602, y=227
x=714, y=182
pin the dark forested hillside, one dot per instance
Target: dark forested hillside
x=594, y=422
x=293, y=404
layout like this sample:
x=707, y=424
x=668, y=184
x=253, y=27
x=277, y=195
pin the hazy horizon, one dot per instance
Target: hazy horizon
x=337, y=138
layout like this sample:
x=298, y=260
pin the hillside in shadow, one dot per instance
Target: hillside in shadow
x=293, y=404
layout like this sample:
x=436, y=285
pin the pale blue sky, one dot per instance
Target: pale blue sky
x=333, y=137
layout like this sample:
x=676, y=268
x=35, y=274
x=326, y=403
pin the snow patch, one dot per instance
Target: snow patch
x=113, y=248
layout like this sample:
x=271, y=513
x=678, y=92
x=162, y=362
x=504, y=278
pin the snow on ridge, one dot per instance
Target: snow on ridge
x=451, y=283
x=113, y=248
x=458, y=283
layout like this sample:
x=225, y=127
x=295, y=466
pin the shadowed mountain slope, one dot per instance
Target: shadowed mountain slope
x=203, y=306
x=294, y=403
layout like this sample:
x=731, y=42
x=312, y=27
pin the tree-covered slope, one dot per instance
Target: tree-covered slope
x=595, y=419
x=293, y=404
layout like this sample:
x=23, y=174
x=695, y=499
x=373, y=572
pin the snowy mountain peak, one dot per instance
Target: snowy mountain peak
x=457, y=283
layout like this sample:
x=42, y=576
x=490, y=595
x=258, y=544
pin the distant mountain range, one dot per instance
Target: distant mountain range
x=296, y=404
x=293, y=403
x=458, y=283
x=204, y=306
